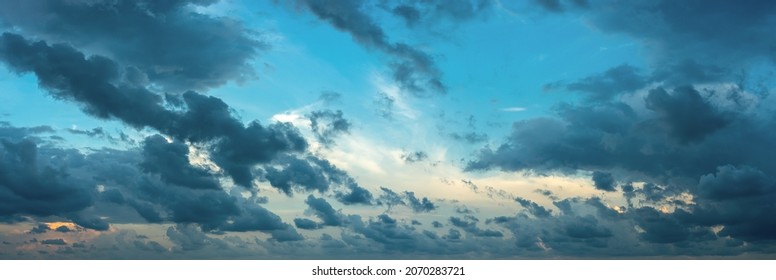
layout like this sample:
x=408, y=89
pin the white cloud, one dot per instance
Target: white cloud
x=513, y=109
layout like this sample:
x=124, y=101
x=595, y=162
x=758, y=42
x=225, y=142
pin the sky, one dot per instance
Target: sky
x=459, y=129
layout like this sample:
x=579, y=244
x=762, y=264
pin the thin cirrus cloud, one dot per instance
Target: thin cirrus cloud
x=513, y=109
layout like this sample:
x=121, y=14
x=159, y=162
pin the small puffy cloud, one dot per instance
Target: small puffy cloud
x=604, y=181
x=57, y=242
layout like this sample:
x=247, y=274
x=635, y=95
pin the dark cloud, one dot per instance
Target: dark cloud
x=687, y=116
x=32, y=184
x=469, y=137
x=535, y=209
x=330, y=97
x=604, y=181
x=393, y=237
x=63, y=229
x=419, y=205
x=409, y=14
x=607, y=135
x=385, y=231
x=471, y=185
x=719, y=32
x=623, y=79
x=309, y=175
x=97, y=131
x=287, y=234
x=499, y=220
x=304, y=223
x=701, y=140
x=58, y=242
x=129, y=194
x=414, y=156
x=327, y=124
x=149, y=246
x=81, y=79
x=171, y=161
x=550, y=5
x=218, y=49
x=146, y=210
x=8, y=131
x=256, y=218
x=548, y=193
x=355, y=195
x=689, y=72
x=40, y=228
x=572, y=233
x=257, y=144
x=659, y=227
x=91, y=82
x=89, y=222
x=564, y=206
x=189, y=237
x=407, y=198
x=463, y=210
x=730, y=182
x=323, y=210
x=413, y=13
x=390, y=198
x=615, y=81
x=586, y=227
x=469, y=225
x=100, y=133
x=412, y=69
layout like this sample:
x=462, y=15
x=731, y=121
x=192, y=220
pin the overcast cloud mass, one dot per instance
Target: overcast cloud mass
x=466, y=129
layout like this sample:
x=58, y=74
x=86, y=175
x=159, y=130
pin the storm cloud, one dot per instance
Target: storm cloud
x=217, y=49
x=680, y=127
x=93, y=82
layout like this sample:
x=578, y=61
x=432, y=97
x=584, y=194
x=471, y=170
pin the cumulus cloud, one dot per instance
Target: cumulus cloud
x=469, y=224
x=327, y=124
x=687, y=137
x=407, y=198
x=91, y=82
x=323, y=210
x=32, y=185
x=603, y=181
x=675, y=138
x=304, y=223
x=171, y=162
x=137, y=187
x=57, y=242
x=535, y=209
x=217, y=49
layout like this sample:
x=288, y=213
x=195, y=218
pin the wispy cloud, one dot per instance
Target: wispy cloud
x=513, y=109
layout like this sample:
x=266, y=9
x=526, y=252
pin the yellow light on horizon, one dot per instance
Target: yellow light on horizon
x=56, y=225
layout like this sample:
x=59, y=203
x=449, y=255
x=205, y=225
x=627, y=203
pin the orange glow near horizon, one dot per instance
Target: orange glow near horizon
x=55, y=225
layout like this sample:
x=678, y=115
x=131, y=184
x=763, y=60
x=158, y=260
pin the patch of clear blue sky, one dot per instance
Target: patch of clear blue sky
x=490, y=63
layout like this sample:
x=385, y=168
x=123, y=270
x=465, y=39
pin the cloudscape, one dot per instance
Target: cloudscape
x=460, y=129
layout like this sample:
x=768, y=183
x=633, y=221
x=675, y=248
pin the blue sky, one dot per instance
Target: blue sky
x=387, y=129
